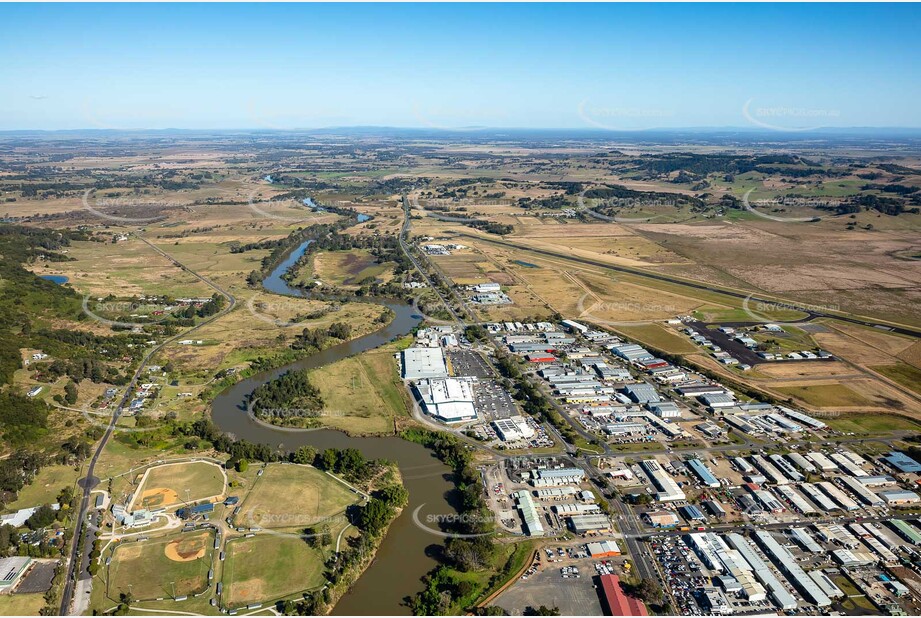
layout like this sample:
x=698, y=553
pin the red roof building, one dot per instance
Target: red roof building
x=618, y=603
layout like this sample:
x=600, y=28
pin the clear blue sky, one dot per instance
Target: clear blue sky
x=511, y=65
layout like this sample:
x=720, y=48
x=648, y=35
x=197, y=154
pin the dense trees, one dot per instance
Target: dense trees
x=287, y=396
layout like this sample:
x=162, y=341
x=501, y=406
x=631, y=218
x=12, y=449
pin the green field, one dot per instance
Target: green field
x=826, y=395
x=903, y=373
x=348, y=268
x=658, y=337
x=873, y=423
x=289, y=496
x=21, y=604
x=725, y=314
x=269, y=567
x=172, y=484
x=363, y=393
x=166, y=567
x=45, y=488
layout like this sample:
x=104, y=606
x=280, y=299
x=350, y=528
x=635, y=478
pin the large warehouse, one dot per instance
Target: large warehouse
x=450, y=400
x=418, y=363
x=11, y=569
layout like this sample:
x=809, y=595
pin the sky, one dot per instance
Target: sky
x=587, y=66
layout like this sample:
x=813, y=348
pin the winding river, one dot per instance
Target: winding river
x=404, y=555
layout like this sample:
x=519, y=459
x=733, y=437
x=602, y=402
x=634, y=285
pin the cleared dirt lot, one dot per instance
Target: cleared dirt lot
x=574, y=597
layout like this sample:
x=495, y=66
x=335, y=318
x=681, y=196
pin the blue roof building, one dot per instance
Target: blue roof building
x=902, y=462
x=703, y=473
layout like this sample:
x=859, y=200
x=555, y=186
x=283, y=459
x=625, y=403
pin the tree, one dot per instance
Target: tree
x=242, y=465
x=70, y=393
x=305, y=455
x=66, y=496
x=43, y=517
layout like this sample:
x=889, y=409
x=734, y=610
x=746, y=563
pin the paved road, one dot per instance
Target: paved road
x=812, y=313
x=77, y=563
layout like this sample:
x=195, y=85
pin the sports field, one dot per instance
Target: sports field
x=289, y=496
x=173, y=484
x=169, y=567
x=267, y=567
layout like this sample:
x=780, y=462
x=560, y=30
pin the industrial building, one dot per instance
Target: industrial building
x=529, y=513
x=450, y=400
x=667, y=488
x=665, y=409
x=642, y=393
x=899, y=497
x=418, y=362
x=661, y=519
x=824, y=463
x=703, y=473
x=819, y=498
x=847, y=464
x=902, y=462
x=717, y=400
x=513, y=428
x=595, y=522
x=801, y=462
x=906, y=530
x=838, y=496
x=603, y=549
x=802, y=536
x=618, y=603
x=860, y=490
x=11, y=570
x=787, y=468
x=803, y=418
x=783, y=599
x=769, y=470
x=786, y=562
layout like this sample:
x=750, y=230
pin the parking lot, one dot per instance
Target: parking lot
x=492, y=401
x=468, y=363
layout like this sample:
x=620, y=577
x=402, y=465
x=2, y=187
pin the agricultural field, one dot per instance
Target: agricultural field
x=259, y=569
x=289, y=496
x=171, y=485
x=171, y=566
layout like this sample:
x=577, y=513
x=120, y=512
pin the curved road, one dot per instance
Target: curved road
x=75, y=568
